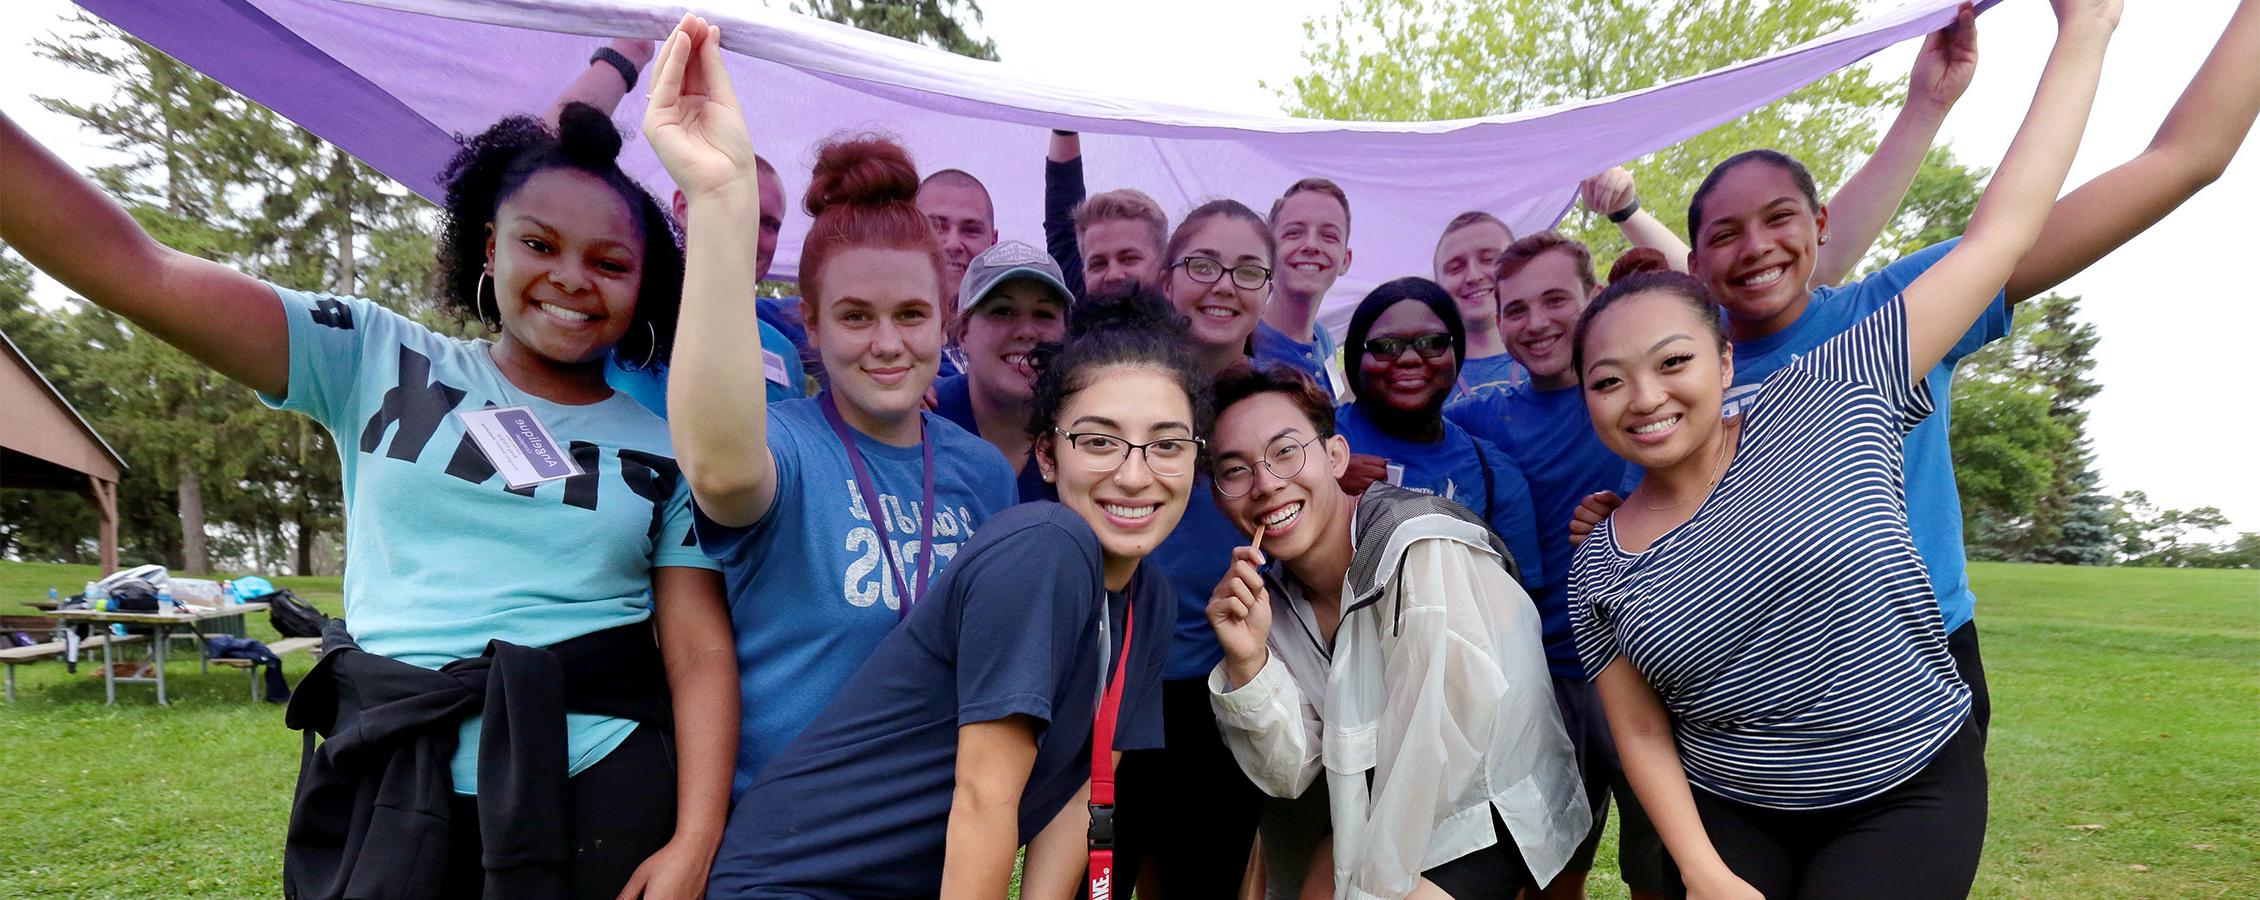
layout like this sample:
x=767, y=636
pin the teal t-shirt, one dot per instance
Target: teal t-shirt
x=441, y=555
x=780, y=370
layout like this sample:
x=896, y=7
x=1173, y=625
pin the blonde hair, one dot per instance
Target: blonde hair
x=1122, y=205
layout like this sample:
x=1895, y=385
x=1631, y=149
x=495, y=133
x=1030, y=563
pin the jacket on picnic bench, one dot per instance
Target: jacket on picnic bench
x=370, y=814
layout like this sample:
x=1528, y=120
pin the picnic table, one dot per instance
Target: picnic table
x=162, y=624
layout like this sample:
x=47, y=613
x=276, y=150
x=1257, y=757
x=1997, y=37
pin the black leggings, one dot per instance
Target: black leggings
x=1963, y=646
x=623, y=811
x=1918, y=840
x=1188, y=809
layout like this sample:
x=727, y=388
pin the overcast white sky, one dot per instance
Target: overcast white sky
x=2167, y=421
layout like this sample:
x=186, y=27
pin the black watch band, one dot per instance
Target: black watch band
x=614, y=58
x=1620, y=215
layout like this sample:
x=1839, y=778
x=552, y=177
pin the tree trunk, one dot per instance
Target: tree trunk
x=192, y=520
x=341, y=177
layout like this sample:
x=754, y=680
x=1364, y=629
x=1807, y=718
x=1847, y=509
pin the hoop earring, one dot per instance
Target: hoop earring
x=651, y=350
x=479, y=304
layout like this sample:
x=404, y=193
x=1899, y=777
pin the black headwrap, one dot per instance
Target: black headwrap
x=1391, y=294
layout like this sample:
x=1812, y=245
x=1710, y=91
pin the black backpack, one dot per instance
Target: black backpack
x=291, y=616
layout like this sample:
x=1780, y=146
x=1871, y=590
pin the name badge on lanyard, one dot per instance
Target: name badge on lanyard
x=517, y=445
x=870, y=493
x=1101, y=834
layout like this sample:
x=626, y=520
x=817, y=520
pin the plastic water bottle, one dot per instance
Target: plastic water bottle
x=97, y=596
x=51, y=595
x=165, y=600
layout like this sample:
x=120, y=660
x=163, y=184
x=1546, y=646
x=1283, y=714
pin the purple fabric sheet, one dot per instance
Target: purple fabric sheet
x=391, y=80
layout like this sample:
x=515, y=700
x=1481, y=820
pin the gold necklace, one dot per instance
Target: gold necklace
x=1717, y=471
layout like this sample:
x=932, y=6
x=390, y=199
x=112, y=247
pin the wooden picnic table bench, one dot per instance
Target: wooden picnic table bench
x=24, y=656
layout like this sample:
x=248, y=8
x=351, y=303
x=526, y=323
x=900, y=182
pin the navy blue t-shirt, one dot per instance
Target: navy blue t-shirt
x=953, y=400
x=858, y=804
x=1550, y=436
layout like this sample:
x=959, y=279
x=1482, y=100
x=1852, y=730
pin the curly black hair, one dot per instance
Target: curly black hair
x=1130, y=325
x=494, y=164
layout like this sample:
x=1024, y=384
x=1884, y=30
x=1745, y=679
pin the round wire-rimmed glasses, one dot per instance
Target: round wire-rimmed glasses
x=1286, y=459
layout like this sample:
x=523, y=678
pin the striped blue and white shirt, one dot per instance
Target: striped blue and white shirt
x=1789, y=626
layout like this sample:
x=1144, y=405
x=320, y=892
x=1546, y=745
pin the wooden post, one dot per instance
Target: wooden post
x=106, y=506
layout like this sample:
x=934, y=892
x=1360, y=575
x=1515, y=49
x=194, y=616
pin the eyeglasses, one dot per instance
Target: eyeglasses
x=1429, y=346
x=1208, y=271
x=1102, y=452
x=1235, y=477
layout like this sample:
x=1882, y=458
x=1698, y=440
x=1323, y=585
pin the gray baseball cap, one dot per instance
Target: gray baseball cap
x=1004, y=262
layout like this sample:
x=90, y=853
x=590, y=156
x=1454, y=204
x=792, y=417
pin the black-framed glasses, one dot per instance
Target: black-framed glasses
x=1103, y=452
x=1246, y=277
x=1235, y=477
x=1429, y=346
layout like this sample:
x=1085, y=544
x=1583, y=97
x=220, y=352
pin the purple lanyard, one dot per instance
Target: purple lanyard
x=879, y=516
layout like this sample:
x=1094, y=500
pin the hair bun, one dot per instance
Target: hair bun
x=587, y=136
x=1636, y=261
x=861, y=170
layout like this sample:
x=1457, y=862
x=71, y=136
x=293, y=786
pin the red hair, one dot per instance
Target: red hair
x=863, y=192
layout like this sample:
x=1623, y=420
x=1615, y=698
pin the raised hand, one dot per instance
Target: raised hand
x=1947, y=62
x=1240, y=612
x=694, y=122
x=1607, y=192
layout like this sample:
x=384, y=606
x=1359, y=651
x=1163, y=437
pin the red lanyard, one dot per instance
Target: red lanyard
x=1102, y=764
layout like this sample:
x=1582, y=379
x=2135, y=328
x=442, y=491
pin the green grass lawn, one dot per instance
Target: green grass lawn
x=2125, y=751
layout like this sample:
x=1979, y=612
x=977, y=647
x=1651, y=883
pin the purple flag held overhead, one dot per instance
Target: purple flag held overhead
x=391, y=80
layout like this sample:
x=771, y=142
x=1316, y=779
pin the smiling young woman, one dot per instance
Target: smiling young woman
x=1766, y=642
x=563, y=259
x=971, y=730
x=831, y=516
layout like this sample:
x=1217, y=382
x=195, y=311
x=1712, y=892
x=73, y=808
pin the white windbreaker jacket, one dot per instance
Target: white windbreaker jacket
x=1432, y=708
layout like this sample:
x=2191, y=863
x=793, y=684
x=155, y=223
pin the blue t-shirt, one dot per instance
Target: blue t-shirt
x=810, y=594
x=1484, y=376
x=1194, y=557
x=780, y=369
x=783, y=314
x=1550, y=436
x=1454, y=467
x=1275, y=347
x=953, y=400
x=444, y=556
x=1934, y=503
x=858, y=805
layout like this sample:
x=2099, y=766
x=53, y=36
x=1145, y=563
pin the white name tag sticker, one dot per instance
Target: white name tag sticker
x=773, y=365
x=518, y=445
x=1396, y=474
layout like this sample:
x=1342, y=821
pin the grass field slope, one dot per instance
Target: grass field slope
x=2124, y=755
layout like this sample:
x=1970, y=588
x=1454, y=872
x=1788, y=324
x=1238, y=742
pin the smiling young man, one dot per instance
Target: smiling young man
x=1311, y=225
x=1382, y=639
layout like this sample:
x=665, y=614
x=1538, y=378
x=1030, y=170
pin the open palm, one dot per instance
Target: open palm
x=693, y=121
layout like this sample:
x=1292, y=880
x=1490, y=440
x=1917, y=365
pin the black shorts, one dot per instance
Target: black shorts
x=1492, y=872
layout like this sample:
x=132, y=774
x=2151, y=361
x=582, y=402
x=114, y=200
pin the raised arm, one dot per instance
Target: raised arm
x=1063, y=191
x=1944, y=300
x=1610, y=194
x=1866, y=203
x=602, y=84
x=74, y=232
x=2191, y=149
x=719, y=426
